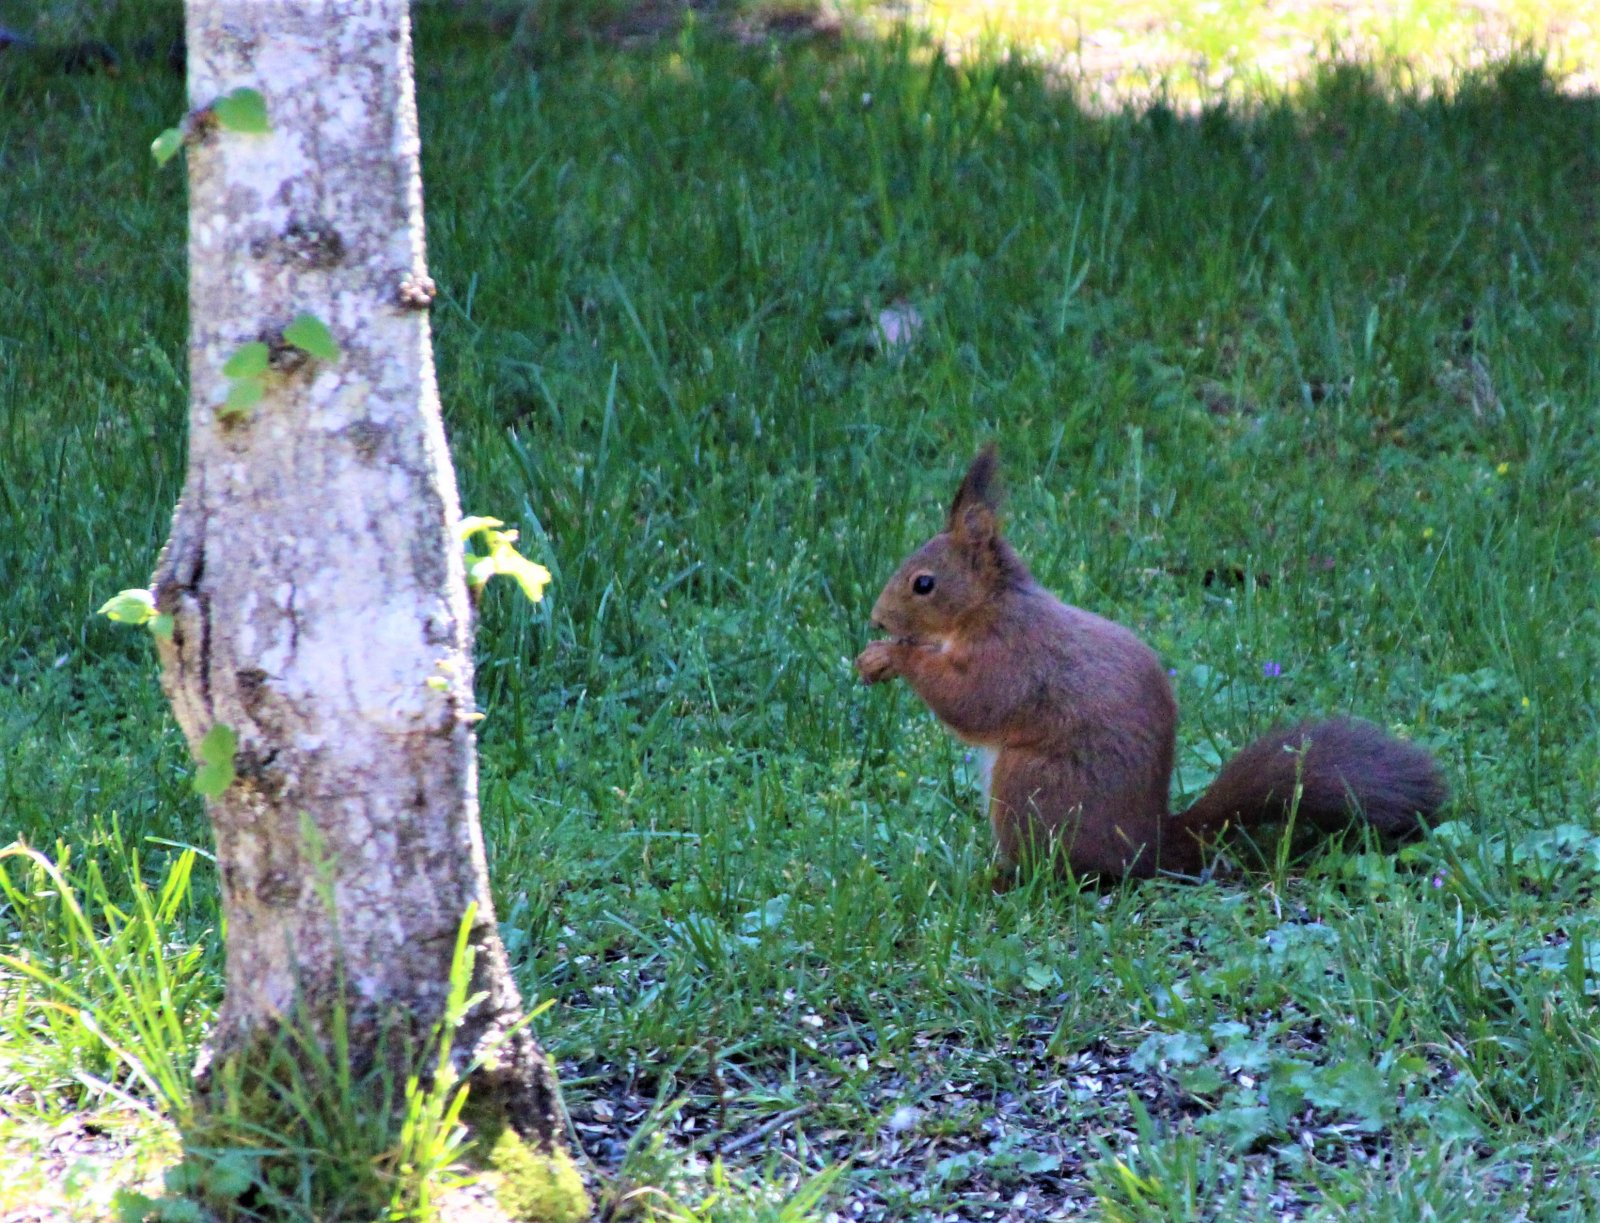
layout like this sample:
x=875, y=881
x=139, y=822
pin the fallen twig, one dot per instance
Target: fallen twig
x=766, y=1130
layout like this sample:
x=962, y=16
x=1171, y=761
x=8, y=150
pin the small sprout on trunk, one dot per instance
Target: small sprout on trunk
x=243, y=110
x=444, y=673
x=246, y=371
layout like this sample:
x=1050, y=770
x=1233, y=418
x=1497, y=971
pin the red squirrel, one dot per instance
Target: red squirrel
x=1076, y=721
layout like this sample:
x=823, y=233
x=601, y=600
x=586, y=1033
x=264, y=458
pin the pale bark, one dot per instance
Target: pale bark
x=313, y=570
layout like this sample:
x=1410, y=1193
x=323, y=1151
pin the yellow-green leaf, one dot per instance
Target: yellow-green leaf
x=472, y=524
x=532, y=577
x=130, y=607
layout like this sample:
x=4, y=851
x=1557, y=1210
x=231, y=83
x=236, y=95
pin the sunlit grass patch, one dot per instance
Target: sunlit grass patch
x=1185, y=52
x=71, y=1164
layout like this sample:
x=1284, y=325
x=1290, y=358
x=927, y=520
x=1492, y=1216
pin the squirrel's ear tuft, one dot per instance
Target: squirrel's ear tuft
x=977, y=488
x=972, y=514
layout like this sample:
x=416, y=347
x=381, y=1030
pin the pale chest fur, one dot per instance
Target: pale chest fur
x=984, y=758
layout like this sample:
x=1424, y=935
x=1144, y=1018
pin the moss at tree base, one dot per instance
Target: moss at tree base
x=534, y=1186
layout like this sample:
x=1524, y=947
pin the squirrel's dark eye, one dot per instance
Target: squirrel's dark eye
x=922, y=584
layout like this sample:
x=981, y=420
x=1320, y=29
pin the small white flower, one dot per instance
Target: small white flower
x=903, y=1118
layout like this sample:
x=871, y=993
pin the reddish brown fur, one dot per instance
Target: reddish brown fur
x=1083, y=720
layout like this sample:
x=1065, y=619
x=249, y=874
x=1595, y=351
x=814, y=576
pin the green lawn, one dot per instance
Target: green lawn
x=1312, y=383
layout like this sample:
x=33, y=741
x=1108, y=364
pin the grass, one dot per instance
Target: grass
x=1311, y=383
x=1191, y=51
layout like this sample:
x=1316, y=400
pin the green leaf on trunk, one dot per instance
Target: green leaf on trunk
x=243, y=110
x=310, y=334
x=249, y=362
x=243, y=395
x=130, y=607
x=216, y=753
x=165, y=146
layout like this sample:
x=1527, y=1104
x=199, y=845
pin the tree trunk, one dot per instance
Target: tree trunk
x=313, y=573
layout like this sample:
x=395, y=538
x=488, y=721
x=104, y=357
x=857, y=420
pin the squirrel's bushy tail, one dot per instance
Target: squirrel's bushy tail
x=1341, y=767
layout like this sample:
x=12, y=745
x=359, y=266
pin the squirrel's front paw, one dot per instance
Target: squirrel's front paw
x=876, y=662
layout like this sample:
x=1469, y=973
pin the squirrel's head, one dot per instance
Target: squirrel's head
x=959, y=575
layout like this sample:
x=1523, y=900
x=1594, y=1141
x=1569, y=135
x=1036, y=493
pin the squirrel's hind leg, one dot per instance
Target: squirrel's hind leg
x=1050, y=805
